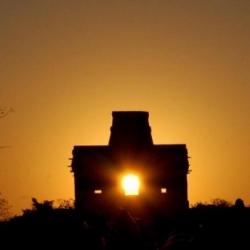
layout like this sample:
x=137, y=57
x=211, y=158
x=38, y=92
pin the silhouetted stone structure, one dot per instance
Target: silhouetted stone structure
x=162, y=170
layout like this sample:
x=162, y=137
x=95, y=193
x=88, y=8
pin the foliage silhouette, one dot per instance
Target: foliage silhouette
x=4, y=208
x=239, y=203
x=204, y=226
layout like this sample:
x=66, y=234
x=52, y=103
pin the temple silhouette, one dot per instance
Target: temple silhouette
x=161, y=169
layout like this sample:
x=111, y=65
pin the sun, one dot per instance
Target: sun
x=131, y=184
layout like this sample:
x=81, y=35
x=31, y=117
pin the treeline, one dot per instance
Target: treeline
x=217, y=225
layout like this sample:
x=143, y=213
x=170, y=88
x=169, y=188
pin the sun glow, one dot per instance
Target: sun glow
x=130, y=184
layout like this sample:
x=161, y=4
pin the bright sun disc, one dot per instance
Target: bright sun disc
x=130, y=184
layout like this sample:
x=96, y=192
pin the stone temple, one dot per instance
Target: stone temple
x=161, y=170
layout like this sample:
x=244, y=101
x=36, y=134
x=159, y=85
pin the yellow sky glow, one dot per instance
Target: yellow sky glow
x=66, y=65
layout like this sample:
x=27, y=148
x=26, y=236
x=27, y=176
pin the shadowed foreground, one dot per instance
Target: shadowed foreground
x=201, y=227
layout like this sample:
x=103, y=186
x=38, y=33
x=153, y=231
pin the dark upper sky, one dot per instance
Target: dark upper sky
x=66, y=65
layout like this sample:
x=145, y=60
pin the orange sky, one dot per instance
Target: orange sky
x=66, y=65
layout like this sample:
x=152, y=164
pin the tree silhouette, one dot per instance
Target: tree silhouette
x=4, y=208
x=43, y=207
x=221, y=203
x=239, y=203
x=65, y=204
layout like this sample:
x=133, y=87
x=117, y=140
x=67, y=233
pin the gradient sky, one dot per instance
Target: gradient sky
x=65, y=65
